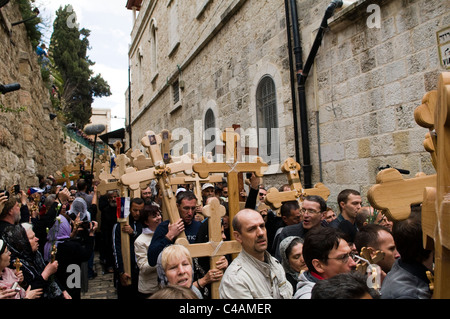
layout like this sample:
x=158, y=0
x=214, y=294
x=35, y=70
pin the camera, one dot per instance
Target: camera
x=6, y=193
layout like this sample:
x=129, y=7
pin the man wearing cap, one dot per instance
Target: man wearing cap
x=207, y=191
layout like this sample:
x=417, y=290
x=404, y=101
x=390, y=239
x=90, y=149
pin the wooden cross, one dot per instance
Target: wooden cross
x=232, y=169
x=215, y=247
x=197, y=181
x=117, y=146
x=291, y=168
x=161, y=172
x=434, y=114
x=395, y=195
x=234, y=151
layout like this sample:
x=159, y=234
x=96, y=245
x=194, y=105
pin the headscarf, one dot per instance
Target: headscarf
x=59, y=232
x=32, y=262
x=285, y=259
x=79, y=206
x=2, y=247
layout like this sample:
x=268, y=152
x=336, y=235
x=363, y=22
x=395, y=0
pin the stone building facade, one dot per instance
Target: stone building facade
x=30, y=142
x=201, y=64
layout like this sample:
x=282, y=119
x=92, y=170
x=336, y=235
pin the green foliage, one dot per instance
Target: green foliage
x=33, y=30
x=69, y=47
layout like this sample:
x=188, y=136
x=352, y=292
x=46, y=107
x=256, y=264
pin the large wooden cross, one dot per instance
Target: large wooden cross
x=291, y=168
x=161, y=171
x=394, y=195
x=215, y=247
x=232, y=167
x=196, y=181
x=434, y=114
x=234, y=151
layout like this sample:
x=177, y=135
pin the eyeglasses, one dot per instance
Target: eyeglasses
x=309, y=211
x=344, y=258
x=262, y=194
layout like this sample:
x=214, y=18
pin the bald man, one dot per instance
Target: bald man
x=254, y=273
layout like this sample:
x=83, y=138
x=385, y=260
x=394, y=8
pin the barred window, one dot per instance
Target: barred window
x=210, y=123
x=267, y=117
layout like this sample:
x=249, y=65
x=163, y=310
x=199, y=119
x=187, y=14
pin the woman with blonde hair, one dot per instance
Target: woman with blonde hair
x=174, y=268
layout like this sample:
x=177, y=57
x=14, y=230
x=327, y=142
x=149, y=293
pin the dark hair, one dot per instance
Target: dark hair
x=408, y=240
x=367, y=236
x=343, y=196
x=294, y=242
x=137, y=201
x=319, y=241
x=286, y=208
x=149, y=210
x=318, y=199
x=9, y=204
x=185, y=195
x=351, y=285
x=81, y=184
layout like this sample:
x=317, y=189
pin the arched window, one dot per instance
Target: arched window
x=267, y=119
x=210, y=125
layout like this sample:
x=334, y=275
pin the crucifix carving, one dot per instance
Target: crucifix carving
x=292, y=170
x=234, y=152
x=215, y=247
x=434, y=114
x=232, y=168
x=196, y=181
x=161, y=171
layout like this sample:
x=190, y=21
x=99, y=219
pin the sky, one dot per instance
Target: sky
x=110, y=23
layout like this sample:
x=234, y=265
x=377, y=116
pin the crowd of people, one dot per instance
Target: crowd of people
x=304, y=250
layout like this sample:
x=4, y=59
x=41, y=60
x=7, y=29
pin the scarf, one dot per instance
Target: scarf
x=59, y=232
x=284, y=259
x=32, y=262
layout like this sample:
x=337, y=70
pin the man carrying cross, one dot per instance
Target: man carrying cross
x=166, y=233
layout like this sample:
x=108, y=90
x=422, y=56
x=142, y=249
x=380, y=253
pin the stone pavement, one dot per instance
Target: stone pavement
x=102, y=286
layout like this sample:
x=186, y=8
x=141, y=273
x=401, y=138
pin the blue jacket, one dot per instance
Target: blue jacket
x=159, y=240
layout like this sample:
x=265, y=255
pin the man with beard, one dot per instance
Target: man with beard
x=312, y=210
x=108, y=209
x=254, y=273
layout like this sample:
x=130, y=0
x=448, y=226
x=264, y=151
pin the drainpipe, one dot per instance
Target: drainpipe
x=292, y=77
x=302, y=75
x=129, y=103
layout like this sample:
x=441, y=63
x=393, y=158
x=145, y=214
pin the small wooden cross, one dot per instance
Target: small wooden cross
x=215, y=247
x=291, y=168
x=117, y=146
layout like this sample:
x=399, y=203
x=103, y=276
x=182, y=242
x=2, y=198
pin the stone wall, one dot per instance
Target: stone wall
x=362, y=91
x=370, y=78
x=30, y=143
